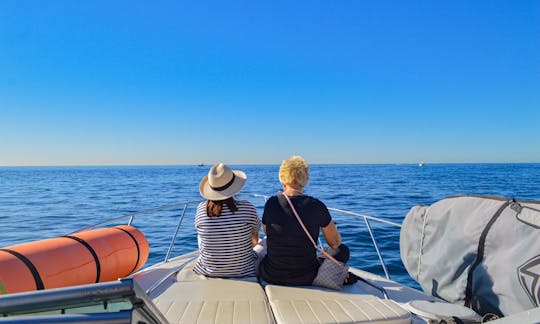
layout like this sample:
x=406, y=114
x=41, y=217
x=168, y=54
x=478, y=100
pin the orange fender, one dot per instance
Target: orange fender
x=86, y=257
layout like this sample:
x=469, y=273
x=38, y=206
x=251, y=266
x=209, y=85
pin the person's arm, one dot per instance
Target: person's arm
x=255, y=238
x=256, y=229
x=331, y=235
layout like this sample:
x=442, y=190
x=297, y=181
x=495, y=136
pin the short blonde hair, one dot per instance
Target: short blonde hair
x=294, y=172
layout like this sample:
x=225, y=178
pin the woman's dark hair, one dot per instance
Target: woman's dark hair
x=214, y=207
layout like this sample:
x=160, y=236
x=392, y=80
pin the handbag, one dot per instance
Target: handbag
x=331, y=273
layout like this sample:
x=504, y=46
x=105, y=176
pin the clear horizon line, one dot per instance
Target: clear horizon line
x=245, y=163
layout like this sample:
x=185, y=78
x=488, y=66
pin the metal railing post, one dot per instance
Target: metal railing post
x=377, y=248
x=175, y=234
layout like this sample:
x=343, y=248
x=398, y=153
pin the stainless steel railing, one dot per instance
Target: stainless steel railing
x=370, y=230
x=182, y=208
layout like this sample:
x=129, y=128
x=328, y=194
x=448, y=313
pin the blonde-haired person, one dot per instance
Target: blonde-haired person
x=227, y=229
x=291, y=258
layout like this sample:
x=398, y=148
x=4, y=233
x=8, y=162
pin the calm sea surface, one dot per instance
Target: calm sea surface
x=44, y=202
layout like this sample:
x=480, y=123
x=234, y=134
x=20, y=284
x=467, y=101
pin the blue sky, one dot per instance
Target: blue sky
x=169, y=82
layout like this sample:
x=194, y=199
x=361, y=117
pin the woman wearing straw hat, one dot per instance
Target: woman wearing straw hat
x=227, y=229
x=291, y=258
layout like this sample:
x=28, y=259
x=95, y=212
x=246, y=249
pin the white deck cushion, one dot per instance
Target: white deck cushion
x=215, y=301
x=313, y=305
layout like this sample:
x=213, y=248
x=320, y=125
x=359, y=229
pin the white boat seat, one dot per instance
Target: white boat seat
x=316, y=305
x=214, y=301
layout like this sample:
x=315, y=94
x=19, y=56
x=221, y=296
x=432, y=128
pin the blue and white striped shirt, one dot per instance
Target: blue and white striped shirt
x=225, y=243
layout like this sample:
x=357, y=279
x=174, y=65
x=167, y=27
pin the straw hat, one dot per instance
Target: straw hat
x=222, y=182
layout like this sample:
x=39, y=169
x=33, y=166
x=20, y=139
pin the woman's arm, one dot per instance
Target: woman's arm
x=255, y=234
x=255, y=238
x=258, y=238
x=331, y=235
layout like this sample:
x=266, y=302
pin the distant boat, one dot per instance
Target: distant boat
x=421, y=164
x=201, y=164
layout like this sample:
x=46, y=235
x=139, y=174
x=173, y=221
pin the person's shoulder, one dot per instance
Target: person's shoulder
x=272, y=200
x=312, y=199
x=245, y=204
x=276, y=201
x=315, y=201
x=201, y=212
x=245, y=207
x=201, y=207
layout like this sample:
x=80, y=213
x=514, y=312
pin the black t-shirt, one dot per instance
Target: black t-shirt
x=291, y=258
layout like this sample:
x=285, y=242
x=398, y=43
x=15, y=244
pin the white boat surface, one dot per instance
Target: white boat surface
x=170, y=292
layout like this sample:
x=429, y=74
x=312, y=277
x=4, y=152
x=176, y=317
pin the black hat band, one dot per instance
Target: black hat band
x=227, y=185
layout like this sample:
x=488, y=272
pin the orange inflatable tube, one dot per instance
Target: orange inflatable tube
x=86, y=257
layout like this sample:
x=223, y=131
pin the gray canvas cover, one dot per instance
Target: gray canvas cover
x=479, y=251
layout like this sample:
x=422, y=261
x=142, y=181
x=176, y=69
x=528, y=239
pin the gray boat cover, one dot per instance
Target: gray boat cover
x=479, y=251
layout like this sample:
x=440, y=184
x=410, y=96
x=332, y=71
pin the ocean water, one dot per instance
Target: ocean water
x=44, y=202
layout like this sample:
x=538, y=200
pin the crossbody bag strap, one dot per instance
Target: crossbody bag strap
x=326, y=254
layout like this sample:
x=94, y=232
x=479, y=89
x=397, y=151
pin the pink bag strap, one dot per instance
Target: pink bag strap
x=307, y=232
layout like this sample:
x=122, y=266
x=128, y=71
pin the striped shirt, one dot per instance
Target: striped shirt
x=225, y=244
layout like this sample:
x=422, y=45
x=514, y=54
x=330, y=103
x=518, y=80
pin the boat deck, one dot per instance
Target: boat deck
x=171, y=292
x=190, y=298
